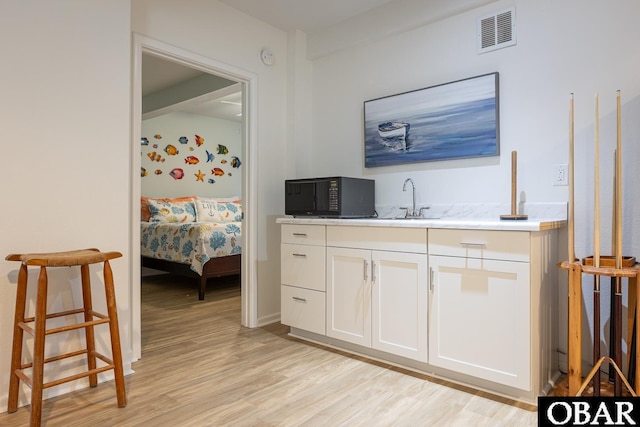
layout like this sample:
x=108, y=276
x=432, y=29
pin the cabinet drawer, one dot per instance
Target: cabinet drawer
x=303, y=234
x=484, y=244
x=303, y=266
x=379, y=238
x=303, y=309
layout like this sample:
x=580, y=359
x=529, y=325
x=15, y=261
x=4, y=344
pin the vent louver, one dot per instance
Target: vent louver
x=497, y=30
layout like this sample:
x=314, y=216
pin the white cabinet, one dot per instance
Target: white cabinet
x=349, y=295
x=378, y=298
x=474, y=306
x=302, y=266
x=399, y=304
x=480, y=304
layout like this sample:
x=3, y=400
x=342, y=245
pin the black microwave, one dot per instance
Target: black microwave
x=332, y=197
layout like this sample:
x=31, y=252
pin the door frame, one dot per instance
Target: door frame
x=249, y=294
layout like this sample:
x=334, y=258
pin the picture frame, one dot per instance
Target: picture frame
x=455, y=120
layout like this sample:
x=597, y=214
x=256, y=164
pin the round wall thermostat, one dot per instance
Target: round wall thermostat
x=266, y=56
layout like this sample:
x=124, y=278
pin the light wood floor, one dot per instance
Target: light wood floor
x=200, y=368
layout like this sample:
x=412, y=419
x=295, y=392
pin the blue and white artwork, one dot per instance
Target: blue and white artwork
x=449, y=121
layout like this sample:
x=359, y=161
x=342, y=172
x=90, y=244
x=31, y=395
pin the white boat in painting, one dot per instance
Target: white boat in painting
x=393, y=129
x=394, y=135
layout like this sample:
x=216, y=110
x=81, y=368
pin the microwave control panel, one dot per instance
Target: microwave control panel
x=333, y=196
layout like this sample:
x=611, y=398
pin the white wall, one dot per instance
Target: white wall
x=216, y=31
x=65, y=136
x=67, y=154
x=580, y=47
x=214, y=131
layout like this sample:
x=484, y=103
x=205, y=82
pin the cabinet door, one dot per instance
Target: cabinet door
x=349, y=295
x=399, y=304
x=480, y=319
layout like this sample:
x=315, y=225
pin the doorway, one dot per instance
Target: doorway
x=148, y=46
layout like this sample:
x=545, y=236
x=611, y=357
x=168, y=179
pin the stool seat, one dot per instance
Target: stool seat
x=82, y=258
x=64, y=259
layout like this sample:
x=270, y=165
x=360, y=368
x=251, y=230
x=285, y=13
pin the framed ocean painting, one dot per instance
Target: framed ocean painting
x=449, y=121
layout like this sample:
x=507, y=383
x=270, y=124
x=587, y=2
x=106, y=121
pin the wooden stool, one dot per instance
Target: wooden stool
x=80, y=258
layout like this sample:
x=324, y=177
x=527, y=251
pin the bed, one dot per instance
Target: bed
x=193, y=237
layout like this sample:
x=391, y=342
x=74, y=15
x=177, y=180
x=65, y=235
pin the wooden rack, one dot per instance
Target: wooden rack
x=576, y=269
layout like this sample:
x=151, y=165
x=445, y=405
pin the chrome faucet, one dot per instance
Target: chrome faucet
x=414, y=213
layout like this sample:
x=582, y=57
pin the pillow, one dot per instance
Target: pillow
x=207, y=210
x=227, y=199
x=171, y=211
x=230, y=211
x=145, y=213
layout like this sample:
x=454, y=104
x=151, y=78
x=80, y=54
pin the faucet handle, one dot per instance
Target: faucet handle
x=423, y=208
x=406, y=213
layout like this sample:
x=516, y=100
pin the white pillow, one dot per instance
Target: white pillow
x=207, y=210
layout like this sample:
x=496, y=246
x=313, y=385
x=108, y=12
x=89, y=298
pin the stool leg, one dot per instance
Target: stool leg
x=18, y=333
x=115, y=335
x=38, y=349
x=89, y=331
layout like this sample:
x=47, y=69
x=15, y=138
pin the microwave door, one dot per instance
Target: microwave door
x=301, y=198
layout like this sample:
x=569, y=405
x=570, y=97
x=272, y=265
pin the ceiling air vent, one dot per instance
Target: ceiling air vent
x=497, y=30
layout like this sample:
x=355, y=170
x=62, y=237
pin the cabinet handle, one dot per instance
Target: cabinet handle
x=481, y=245
x=298, y=299
x=300, y=255
x=431, y=283
x=365, y=270
x=300, y=234
x=373, y=272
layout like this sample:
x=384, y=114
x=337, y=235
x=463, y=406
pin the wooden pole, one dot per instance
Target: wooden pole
x=618, y=191
x=596, y=255
x=570, y=231
x=613, y=280
x=619, y=185
x=574, y=339
x=514, y=191
x=596, y=217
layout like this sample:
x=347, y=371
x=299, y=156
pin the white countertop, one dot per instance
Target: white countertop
x=533, y=224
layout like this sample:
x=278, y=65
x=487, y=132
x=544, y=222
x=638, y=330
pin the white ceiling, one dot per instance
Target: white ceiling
x=159, y=74
x=306, y=15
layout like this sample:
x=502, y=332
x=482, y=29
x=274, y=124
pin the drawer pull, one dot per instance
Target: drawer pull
x=298, y=299
x=479, y=245
x=300, y=234
x=300, y=255
x=431, y=282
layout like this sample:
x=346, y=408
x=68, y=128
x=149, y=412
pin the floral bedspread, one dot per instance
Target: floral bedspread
x=191, y=243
